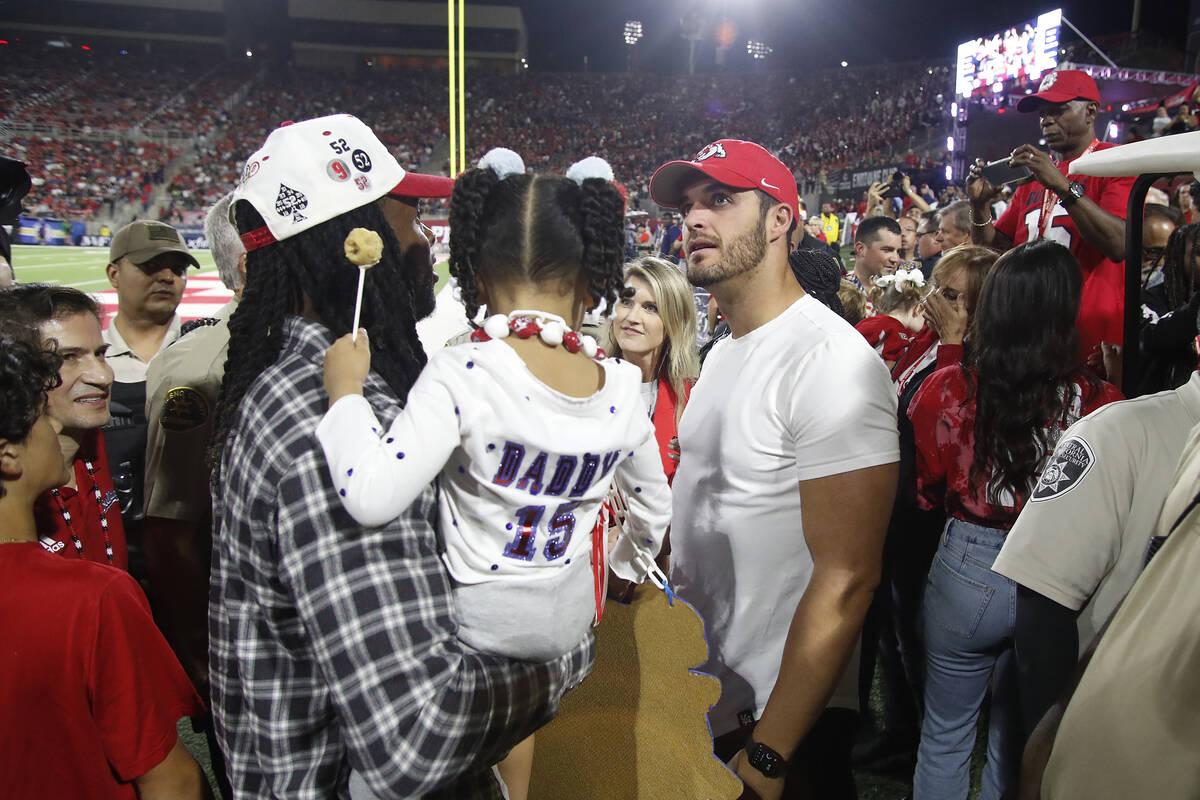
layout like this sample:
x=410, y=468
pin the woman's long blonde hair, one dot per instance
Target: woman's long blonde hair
x=679, y=362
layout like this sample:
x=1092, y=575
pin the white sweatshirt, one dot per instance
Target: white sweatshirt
x=522, y=468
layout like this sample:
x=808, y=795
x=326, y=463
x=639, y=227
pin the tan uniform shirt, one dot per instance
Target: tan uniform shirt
x=127, y=366
x=182, y=384
x=1132, y=729
x=1082, y=539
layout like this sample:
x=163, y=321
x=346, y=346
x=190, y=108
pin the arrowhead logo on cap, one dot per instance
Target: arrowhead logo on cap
x=1048, y=81
x=714, y=150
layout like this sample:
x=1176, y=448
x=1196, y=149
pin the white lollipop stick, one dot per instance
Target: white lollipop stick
x=362, y=277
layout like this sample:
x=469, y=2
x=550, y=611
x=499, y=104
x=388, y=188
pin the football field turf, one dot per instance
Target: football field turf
x=83, y=268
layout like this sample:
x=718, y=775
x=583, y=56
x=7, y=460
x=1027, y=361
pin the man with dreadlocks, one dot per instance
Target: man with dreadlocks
x=333, y=644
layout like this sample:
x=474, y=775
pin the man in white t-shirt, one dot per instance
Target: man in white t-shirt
x=1084, y=537
x=786, y=479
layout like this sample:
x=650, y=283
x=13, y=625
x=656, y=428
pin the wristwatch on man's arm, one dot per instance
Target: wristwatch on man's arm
x=765, y=760
x=1073, y=192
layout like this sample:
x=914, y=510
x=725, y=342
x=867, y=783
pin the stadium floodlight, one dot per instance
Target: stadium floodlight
x=1113, y=130
x=249, y=54
x=633, y=32
x=949, y=172
x=844, y=64
x=950, y=143
x=758, y=50
x=954, y=109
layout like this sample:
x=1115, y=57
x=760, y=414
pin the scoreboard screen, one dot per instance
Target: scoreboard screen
x=1022, y=52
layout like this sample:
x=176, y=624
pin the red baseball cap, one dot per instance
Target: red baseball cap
x=1060, y=86
x=419, y=184
x=741, y=165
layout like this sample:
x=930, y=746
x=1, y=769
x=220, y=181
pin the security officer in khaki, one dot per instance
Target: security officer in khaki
x=182, y=383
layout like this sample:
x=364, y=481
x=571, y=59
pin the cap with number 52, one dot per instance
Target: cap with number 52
x=309, y=172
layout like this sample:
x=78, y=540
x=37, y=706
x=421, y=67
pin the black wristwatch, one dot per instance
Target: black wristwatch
x=765, y=760
x=1075, y=190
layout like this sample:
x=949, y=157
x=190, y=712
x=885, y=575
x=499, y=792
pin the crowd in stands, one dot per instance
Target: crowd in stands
x=823, y=123
x=79, y=179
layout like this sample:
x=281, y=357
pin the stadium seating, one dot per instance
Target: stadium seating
x=99, y=130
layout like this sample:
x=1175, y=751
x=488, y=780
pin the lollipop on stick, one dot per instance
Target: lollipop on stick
x=363, y=248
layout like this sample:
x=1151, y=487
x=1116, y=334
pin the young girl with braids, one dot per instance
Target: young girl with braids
x=525, y=427
x=897, y=301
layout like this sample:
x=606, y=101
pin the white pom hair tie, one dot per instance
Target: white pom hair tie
x=590, y=167
x=902, y=278
x=503, y=162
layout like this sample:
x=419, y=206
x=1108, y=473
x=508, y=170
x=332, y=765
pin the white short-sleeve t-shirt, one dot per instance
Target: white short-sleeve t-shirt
x=1082, y=539
x=801, y=397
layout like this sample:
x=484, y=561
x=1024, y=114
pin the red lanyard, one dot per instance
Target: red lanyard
x=1051, y=199
x=66, y=515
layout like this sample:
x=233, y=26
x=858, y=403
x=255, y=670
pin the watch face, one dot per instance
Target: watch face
x=766, y=760
x=1077, y=189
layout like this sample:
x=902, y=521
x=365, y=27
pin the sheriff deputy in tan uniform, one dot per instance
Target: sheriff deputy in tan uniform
x=182, y=384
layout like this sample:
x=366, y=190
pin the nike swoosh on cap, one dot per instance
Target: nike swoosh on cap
x=769, y=186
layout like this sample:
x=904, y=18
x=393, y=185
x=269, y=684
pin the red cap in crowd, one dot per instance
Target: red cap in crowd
x=737, y=164
x=1061, y=86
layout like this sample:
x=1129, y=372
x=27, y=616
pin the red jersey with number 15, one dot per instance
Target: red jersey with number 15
x=1102, y=306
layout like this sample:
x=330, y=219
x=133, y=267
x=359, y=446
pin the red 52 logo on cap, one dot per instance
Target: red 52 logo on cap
x=714, y=150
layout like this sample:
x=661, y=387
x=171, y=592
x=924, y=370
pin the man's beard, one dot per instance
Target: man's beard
x=418, y=266
x=743, y=253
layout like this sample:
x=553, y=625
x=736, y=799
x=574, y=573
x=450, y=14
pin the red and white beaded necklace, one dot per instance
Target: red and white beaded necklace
x=66, y=515
x=550, y=328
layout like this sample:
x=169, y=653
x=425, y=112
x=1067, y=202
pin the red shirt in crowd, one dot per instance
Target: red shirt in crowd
x=1102, y=307
x=85, y=510
x=926, y=348
x=943, y=418
x=887, y=335
x=91, y=691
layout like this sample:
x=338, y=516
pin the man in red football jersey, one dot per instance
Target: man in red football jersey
x=1086, y=214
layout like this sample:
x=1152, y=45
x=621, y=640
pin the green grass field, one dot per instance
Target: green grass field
x=83, y=267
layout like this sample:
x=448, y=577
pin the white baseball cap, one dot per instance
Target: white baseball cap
x=312, y=171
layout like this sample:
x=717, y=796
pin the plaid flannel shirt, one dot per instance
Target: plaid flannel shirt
x=332, y=644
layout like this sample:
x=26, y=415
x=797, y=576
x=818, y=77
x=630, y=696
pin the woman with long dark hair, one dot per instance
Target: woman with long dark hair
x=983, y=431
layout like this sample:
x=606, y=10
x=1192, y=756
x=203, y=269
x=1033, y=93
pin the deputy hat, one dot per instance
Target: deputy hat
x=1061, y=86
x=309, y=172
x=738, y=164
x=143, y=239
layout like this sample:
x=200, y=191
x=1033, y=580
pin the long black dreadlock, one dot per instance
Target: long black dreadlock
x=312, y=264
x=536, y=228
x=1179, y=276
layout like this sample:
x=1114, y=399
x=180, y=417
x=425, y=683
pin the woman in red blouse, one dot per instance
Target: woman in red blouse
x=654, y=328
x=983, y=431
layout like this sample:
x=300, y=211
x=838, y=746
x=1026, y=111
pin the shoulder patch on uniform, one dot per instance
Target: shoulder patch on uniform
x=184, y=408
x=193, y=324
x=1072, y=459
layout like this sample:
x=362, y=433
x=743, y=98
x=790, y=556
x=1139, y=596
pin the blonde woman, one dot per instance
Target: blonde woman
x=654, y=328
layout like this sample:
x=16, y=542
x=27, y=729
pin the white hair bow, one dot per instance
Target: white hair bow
x=901, y=279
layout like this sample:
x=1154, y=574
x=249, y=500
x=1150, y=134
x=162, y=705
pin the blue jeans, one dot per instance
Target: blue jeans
x=969, y=613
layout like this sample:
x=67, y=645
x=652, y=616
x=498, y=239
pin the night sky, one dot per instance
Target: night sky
x=806, y=34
